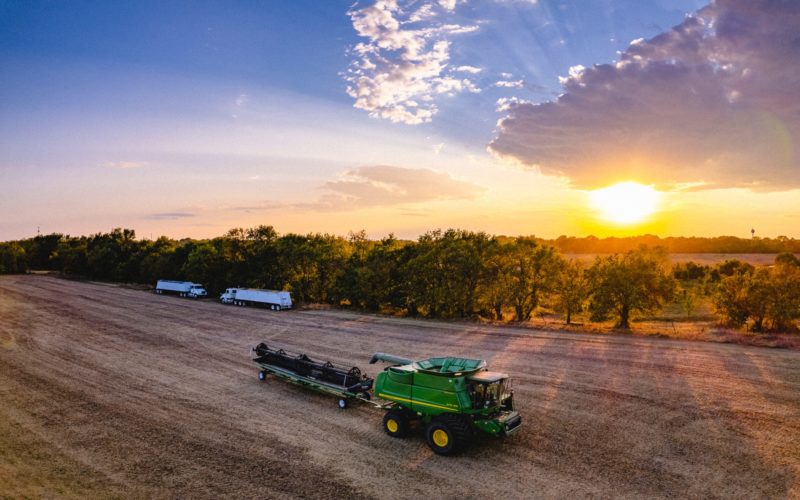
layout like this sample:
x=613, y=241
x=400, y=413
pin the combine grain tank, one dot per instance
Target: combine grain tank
x=182, y=288
x=273, y=299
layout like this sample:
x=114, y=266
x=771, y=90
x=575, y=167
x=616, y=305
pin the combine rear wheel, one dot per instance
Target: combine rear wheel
x=395, y=423
x=448, y=434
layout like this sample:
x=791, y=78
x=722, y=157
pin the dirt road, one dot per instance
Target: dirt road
x=107, y=391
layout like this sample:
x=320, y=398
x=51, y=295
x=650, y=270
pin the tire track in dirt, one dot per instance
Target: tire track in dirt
x=158, y=396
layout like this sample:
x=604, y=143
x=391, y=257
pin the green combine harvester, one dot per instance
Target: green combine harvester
x=451, y=397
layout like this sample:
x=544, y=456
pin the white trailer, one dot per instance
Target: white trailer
x=182, y=288
x=274, y=299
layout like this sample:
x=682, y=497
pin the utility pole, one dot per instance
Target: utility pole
x=37, y=230
x=753, y=233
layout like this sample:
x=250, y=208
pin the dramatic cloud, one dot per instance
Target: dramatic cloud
x=386, y=185
x=397, y=72
x=714, y=102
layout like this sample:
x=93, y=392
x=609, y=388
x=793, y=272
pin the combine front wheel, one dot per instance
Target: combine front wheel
x=447, y=434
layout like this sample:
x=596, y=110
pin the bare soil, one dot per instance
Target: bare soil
x=113, y=392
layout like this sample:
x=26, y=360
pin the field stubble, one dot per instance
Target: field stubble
x=107, y=391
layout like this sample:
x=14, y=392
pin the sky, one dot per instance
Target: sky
x=187, y=119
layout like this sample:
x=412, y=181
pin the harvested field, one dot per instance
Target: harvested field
x=706, y=259
x=108, y=391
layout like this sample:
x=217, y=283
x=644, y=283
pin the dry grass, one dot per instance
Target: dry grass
x=107, y=389
x=694, y=329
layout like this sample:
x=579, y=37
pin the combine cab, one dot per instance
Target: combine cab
x=451, y=396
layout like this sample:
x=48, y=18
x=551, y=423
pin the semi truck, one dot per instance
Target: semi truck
x=182, y=288
x=273, y=299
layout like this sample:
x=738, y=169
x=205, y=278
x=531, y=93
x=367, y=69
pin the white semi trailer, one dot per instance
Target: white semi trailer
x=273, y=299
x=182, y=288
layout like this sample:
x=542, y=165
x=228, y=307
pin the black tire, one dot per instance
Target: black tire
x=366, y=395
x=448, y=434
x=395, y=423
x=262, y=375
x=343, y=404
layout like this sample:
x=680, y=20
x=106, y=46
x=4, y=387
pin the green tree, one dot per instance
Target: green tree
x=731, y=299
x=623, y=285
x=532, y=271
x=787, y=258
x=494, y=288
x=12, y=258
x=571, y=289
x=783, y=306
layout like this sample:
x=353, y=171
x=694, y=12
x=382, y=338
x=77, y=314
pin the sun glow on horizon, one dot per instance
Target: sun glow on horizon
x=625, y=202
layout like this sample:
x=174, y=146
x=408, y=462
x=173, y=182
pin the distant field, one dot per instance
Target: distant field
x=757, y=259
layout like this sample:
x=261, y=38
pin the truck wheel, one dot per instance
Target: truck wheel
x=262, y=375
x=343, y=404
x=447, y=434
x=395, y=423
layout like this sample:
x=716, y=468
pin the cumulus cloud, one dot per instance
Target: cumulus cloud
x=713, y=102
x=507, y=103
x=403, y=64
x=469, y=69
x=388, y=185
x=515, y=84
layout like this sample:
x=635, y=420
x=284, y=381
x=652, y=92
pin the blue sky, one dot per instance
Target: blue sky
x=188, y=118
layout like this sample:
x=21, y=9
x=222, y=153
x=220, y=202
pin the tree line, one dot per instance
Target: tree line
x=443, y=274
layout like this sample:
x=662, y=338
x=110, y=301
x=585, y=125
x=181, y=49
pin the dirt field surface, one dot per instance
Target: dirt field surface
x=113, y=392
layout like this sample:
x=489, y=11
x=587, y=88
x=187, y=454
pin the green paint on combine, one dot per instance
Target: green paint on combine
x=451, y=397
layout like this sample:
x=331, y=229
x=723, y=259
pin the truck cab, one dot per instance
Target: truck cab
x=228, y=296
x=197, y=291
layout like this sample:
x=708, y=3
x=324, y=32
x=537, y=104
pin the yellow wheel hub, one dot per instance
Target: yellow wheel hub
x=440, y=438
x=391, y=424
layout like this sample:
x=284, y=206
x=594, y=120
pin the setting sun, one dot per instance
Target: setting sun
x=625, y=202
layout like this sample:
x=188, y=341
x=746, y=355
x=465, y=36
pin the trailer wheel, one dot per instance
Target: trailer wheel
x=262, y=375
x=343, y=404
x=395, y=423
x=447, y=434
